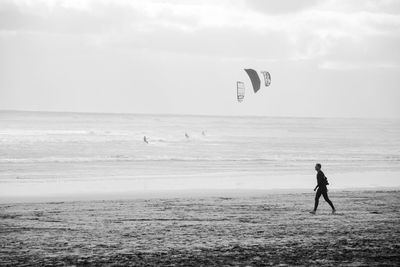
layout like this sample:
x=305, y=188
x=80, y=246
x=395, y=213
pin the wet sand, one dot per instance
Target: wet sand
x=269, y=229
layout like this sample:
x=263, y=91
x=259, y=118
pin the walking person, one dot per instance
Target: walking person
x=322, y=182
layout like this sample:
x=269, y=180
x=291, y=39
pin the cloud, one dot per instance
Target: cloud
x=295, y=30
x=63, y=19
x=282, y=6
x=374, y=6
x=349, y=65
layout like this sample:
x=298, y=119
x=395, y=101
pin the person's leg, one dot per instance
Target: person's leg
x=325, y=195
x=317, y=196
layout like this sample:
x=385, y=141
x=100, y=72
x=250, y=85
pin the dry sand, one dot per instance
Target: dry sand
x=271, y=229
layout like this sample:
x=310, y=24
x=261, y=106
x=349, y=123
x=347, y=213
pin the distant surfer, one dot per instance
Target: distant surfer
x=186, y=135
x=203, y=133
x=145, y=139
x=322, y=182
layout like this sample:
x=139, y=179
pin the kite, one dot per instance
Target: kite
x=267, y=78
x=240, y=91
x=255, y=80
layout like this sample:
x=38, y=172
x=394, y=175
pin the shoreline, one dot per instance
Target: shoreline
x=180, y=194
x=219, y=185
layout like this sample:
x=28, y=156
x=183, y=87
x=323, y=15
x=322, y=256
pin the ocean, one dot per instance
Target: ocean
x=50, y=154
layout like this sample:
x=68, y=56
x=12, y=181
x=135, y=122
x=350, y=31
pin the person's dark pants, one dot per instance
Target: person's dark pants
x=324, y=193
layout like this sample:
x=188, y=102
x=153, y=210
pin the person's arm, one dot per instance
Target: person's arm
x=316, y=187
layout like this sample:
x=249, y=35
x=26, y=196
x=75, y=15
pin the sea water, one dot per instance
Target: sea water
x=47, y=152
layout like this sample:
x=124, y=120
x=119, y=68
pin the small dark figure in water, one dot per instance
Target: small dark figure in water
x=145, y=140
x=186, y=135
x=322, y=189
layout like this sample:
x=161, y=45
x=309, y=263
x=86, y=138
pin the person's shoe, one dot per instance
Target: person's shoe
x=312, y=212
x=333, y=211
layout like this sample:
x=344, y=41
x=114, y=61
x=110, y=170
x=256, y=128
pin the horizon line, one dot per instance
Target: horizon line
x=191, y=114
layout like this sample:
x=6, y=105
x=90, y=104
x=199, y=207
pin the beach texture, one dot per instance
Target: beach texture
x=269, y=229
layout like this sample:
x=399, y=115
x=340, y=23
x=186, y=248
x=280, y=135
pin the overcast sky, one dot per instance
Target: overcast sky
x=326, y=58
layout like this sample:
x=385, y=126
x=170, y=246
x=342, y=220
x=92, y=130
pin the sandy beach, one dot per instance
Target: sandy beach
x=242, y=230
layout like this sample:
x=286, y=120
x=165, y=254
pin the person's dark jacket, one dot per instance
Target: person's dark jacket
x=321, y=180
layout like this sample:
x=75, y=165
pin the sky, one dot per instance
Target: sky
x=327, y=58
